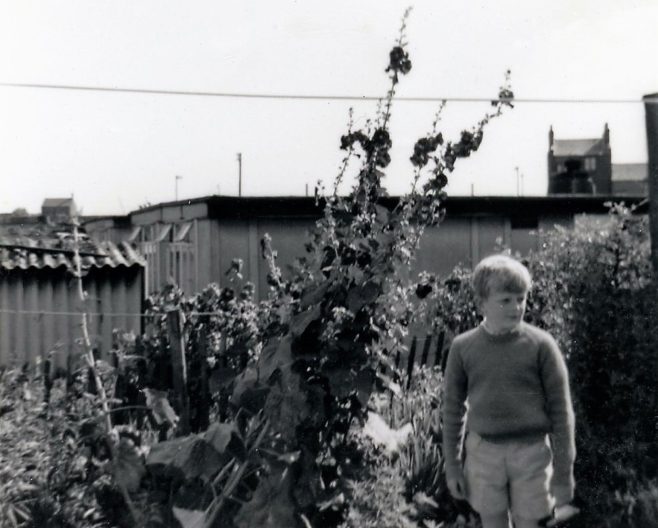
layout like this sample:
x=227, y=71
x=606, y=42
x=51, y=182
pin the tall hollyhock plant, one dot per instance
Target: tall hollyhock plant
x=349, y=310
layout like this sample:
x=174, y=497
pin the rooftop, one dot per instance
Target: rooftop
x=24, y=253
x=578, y=147
x=57, y=202
x=630, y=171
x=233, y=207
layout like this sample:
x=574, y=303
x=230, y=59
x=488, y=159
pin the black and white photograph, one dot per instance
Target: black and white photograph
x=349, y=264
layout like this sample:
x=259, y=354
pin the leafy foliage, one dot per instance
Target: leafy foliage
x=595, y=290
x=53, y=464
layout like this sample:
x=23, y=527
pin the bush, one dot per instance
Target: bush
x=46, y=472
x=638, y=507
x=594, y=291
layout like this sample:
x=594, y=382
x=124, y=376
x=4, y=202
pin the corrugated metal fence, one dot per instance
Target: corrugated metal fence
x=27, y=296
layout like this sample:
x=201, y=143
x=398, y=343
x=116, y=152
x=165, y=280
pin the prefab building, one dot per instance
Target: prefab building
x=193, y=242
x=40, y=307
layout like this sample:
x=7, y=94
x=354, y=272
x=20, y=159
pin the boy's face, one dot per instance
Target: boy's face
x=503, y=309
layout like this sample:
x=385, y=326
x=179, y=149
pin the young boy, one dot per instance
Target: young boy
x=507, y=392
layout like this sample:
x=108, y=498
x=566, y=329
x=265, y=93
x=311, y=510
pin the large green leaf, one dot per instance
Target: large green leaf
x=313, y=296
x=286, y=404
x=301, y=320
x=246, y=380
x=271, y=505
x=225, y=438
x=190, y=456
x=219, y=435
x=189, y=518
x=365, y=380
x=252, y=398
x=359, y=296
x=221, y=377
x=276, y=355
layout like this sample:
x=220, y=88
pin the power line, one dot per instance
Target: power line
x=327, y=97
x=97, y=314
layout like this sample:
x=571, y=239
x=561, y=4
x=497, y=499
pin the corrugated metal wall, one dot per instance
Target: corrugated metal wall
x=112, y=292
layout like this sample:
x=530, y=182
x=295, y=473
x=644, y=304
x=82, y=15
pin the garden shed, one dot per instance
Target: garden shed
x=40, y=308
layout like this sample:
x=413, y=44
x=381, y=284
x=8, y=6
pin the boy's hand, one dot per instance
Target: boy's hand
x=562, y=513
x=457, y=486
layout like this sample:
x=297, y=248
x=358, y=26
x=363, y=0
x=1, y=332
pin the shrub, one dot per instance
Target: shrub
x=637, y=507
x=45, y=472
x=594, y=290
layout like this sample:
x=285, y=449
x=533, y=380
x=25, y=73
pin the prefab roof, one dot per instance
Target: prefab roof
x=26, y=253
x=233, y=207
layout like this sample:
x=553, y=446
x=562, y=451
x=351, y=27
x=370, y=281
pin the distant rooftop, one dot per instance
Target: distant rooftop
x=630, y=171
x=57, y=202
x=578, y=147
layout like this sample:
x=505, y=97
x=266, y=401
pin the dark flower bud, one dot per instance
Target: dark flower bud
x=381, y=138
x=505, y=96
x=405, y=66
x=383, y=159
x=423, y=290
x=399, y=61
x=346, y=141
x=441, y=180
x=227, y=295
x=363, y=259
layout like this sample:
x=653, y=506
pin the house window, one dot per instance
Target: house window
x=590, y=164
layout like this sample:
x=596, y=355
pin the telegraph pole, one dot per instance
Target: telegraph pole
x=651, y=114
x=176, y=186
x=239, y=173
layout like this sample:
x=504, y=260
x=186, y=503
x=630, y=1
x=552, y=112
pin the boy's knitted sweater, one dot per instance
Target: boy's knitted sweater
x=517, y=387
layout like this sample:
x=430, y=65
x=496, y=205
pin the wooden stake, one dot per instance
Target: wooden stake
x=179, y=369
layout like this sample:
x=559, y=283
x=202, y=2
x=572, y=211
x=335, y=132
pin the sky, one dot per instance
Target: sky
x=115, y=151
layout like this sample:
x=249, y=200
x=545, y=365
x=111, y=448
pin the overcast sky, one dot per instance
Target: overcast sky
x=117, y=151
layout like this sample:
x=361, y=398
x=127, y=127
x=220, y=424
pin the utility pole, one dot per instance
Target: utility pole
x=239, y=173
x=518, y=182
x=521, y=183
x=306, y=192
x=176, y=186
x=651, y=114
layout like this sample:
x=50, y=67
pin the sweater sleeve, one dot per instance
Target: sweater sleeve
x=555, y=380
x=454, y=410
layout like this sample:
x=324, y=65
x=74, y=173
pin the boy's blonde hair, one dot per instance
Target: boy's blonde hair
x=501, y=272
